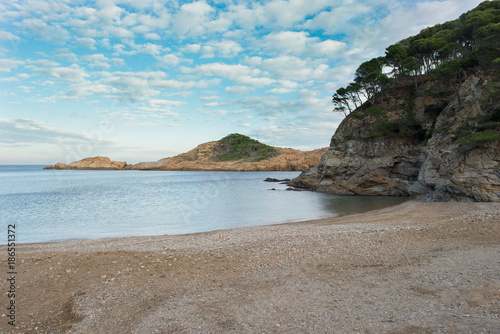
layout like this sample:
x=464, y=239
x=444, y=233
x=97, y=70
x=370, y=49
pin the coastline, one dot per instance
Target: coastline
x=413, y=267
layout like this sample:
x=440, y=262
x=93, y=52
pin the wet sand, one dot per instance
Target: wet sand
x=413, y=268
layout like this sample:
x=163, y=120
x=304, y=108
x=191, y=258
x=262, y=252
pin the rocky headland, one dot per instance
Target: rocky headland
x=420, y=153
x=430, y=127
x=232, y=153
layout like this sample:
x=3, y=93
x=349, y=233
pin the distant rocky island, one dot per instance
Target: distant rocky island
x=235, y=152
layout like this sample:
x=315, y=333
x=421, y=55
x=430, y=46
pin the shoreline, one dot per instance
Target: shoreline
x=361, y=212
x=416, y=267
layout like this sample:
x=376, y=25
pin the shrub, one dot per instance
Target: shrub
x=480, y=138
x=441, y=94
x=372, y=135
x=374, y=111
x=436, y=109
x=388, y=128
x=237, y=146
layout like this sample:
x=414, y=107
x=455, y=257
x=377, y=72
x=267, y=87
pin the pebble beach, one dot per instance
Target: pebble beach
x=413, y=268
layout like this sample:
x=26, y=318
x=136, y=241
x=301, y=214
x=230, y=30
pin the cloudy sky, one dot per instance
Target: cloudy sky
x=139, y=80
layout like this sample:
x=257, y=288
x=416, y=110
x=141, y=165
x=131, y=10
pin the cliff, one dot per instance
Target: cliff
x=232, y=153
x=416, y=144
x=423, y=119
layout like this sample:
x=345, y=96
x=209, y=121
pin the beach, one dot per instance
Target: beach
x=416, y=267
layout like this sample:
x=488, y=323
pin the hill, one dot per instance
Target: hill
x=234, y=152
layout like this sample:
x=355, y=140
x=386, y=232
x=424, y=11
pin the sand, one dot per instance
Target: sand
x=413, y=268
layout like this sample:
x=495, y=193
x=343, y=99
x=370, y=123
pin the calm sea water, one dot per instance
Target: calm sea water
x=56, y=205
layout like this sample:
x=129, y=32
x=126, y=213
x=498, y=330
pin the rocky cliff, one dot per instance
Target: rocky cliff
x=239, y=154
x=416, y=143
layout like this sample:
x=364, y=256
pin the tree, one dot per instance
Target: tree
x=394, y=56
x=341, y=101
x=369, y=76
x=410, y=66
x=450, y=71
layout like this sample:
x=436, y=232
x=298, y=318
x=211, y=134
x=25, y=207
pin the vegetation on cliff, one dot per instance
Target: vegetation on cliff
x=445, y=54
x=236, y=146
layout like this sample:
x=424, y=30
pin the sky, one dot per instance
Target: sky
x=140, y=80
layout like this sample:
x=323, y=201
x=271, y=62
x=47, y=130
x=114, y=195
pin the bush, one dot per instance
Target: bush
x=436, y=109
x=441, y=94
x=237, y=146
x=374, y=111
x=348, y=137
x=388, y=128
x=372, y=135
x=480, y=138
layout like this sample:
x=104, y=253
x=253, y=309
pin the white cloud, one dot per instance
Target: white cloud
x=8, y=36
x=97, y=61
x=338, y=20
x=110, y=14
x=210, y=98
x=117, y=32
x=150, y=48
x=26, y=89
x=294, y=68
x=238, y=89
x=17, y=78
x=6, y=65
x=164, y=103
x=293, y=42
x=191, y=48
x=152, y=36
x=73, y=73
x=86, y=43
x=276, y=13
x=192, y=18
x=66, y=56
x=117, y=61
x=31, y=132
x=329, y=48
x=136, y=86
x=83, y=90
x=51, y=33
x=169, y=60
x=221, y=69
x=300, y=44
x=279, y=90
x=225, y=49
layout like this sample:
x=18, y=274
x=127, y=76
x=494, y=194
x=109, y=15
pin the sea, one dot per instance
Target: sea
x=62, y=205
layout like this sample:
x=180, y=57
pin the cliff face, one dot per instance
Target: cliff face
x=206, y=157
x=415, y=151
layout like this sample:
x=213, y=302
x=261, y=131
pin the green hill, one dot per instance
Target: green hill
x=236, y=146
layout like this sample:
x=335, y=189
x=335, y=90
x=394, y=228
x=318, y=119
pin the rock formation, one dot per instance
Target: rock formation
x=207, y=157
x=95, y=163
x=417, y=150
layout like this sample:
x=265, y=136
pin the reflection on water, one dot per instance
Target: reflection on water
x=51, y=205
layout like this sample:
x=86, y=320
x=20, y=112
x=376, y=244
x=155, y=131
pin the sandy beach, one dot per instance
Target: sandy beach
x=413, y=268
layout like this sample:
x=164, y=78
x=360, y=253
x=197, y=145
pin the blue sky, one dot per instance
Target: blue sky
x=140, y=80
